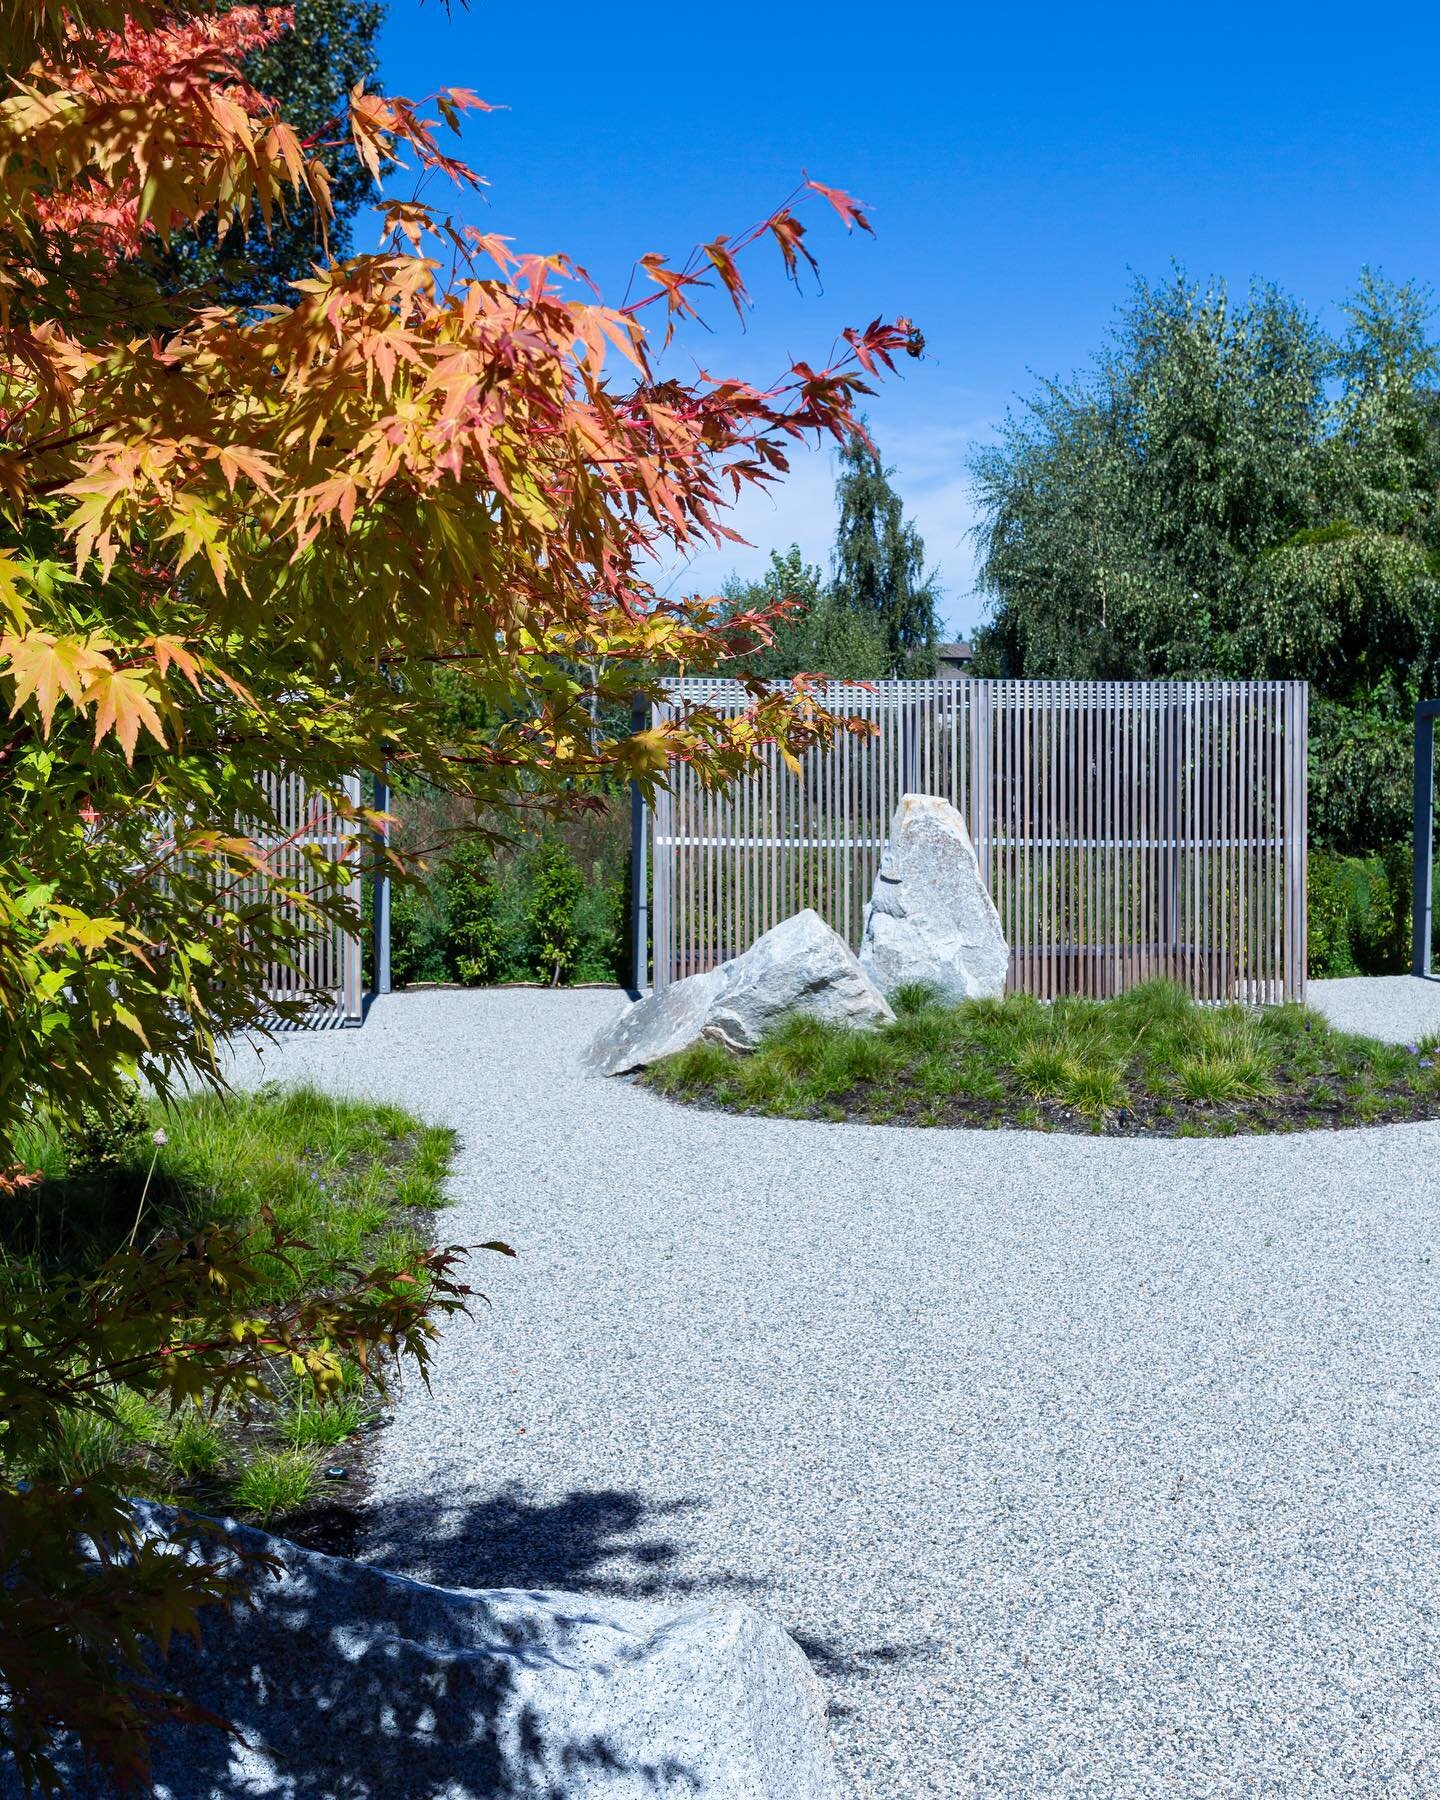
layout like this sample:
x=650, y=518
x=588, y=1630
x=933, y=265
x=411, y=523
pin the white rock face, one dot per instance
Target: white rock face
x=800, y=966
x=657, y=1025
x=931, y=917
x=347, y=1681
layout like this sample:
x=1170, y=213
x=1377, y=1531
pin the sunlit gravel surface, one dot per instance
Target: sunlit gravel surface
x=1078, y=1467
x=1399, y=1008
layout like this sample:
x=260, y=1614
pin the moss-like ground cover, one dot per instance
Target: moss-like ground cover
x=1150, y=1063
x=355, y=1180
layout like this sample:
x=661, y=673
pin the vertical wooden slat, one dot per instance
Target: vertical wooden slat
x=1248, y=806
x=1062, y=932
x=1145, y=799
x=1097, y=861
x=1297, y=724
x=1050, y=860
x=684, y=832
x=1228, y=835
x=1081, y=927
x=1023, y=774
x=1210, y=776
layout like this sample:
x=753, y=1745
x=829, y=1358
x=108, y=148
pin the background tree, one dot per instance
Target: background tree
x=1123, y=513
x=1232, y=492
x=309, y=73
x=818, y=634
x=879, y=565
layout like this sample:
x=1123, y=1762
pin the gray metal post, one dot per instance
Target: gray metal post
x=381, y=897
x=639, y=866
x=1424, y=899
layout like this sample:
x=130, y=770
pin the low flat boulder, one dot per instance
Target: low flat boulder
x=931, y=917
x=657, y=1025
x=799, y=966
x=347, y=1683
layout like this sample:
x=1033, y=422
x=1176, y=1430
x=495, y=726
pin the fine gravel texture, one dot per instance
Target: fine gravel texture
x=1079, y=1467
x=1399, y=1008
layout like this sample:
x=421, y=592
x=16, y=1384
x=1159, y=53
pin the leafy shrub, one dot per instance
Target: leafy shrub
x=417, y=935
x=1361, y=778
x=1359, y=913
x=600, y=915
x=477, y=946
x=110, y=1134
x=556, y=885
x=552, y=911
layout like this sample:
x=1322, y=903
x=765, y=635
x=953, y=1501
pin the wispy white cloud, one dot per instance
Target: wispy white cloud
x=930, y=460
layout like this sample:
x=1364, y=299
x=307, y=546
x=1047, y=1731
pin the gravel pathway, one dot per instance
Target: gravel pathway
x=1079, y=1468
x=1400, y=1008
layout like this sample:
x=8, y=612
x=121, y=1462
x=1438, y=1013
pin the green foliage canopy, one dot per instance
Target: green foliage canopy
x=822, y=634
x=1233, y=492
x=309, y=73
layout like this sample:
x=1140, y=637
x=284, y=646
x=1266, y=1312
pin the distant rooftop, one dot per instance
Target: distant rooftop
x=953, y=659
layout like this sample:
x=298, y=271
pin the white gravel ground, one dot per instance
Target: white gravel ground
x=1400, y=1008
x=1078, y=1467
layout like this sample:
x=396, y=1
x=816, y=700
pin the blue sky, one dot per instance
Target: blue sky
x=1019, y=163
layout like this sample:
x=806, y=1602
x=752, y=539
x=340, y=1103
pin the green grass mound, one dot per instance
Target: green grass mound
x=1150, y=1063
x=354, y=1180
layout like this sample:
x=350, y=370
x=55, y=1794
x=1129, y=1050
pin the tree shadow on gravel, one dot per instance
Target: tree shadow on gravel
x=600, y=1541
x=835, y=1666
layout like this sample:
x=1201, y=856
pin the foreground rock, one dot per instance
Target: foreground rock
x=931, y=917
x=348, y=1682
x=800, y=966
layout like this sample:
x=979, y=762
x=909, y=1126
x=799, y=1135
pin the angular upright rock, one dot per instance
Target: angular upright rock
x=799, y=966
x=931, y=917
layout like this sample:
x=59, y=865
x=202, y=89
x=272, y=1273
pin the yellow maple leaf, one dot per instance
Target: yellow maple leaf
x=123, y=704
x=10, y=596
x=46, y=666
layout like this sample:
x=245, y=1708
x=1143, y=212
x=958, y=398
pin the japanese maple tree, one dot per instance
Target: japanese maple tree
x=234, y=543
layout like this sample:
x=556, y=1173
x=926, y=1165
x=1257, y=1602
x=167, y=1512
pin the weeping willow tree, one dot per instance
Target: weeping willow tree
x=1232, y=491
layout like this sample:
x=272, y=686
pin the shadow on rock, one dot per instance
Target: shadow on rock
x=346, y=1682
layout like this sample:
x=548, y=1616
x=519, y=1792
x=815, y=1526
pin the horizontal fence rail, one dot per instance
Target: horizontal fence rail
x=1126, y=830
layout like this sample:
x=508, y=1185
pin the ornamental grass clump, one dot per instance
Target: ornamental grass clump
x=1149, y=1061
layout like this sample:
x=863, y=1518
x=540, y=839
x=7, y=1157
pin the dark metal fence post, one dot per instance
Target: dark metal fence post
x=1424, y=898
x=381, y=896
x=639, y=866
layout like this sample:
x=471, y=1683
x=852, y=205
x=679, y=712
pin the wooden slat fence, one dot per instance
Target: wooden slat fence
x=1126, y=829
x=328, y=963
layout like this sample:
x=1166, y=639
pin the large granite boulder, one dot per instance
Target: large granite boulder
x=346, y=1683
x=931, y=917
x=799, y=966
